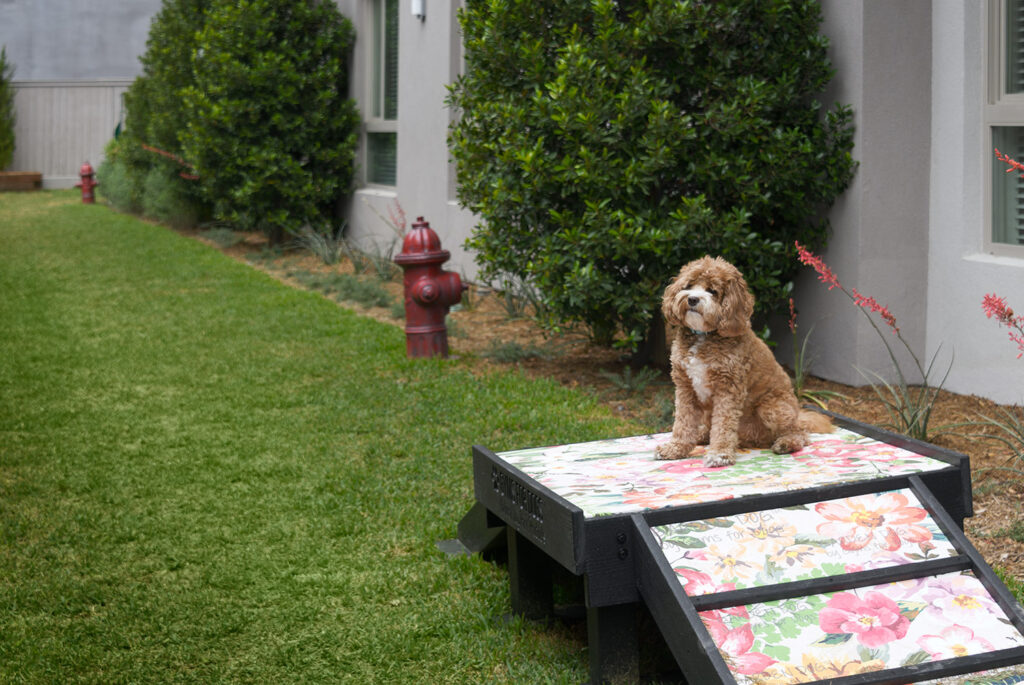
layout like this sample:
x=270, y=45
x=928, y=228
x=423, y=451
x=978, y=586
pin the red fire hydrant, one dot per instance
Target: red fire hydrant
x=429, y=291
x=87, y=183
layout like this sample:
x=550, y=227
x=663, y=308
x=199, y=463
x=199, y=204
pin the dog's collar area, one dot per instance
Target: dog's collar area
x=700, y=334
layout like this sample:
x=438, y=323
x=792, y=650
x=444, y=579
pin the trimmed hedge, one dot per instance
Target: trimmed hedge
x=271, y=131
x=242, y=115
x=604, y=144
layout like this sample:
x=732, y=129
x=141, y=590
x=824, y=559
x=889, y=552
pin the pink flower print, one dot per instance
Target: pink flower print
x=735, y=646
x=958, y=596
x=875, y=620
x=954, y=641
x=721, y=615
x=879, y=561
x=884, y=519
x=674, y=495
x=699, y=583
x=842, y=454
x=689, y=465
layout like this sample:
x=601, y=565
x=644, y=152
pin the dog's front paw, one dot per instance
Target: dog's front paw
x=714, y=459
x=673, y=449
x=787, y=444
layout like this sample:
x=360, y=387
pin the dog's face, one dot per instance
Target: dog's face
x=709, y=295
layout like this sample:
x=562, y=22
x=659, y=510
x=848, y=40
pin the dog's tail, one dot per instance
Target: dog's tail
x=813, y=422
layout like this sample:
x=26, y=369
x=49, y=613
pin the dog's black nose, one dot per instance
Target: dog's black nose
x=693, y=300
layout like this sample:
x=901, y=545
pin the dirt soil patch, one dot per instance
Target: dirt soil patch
x=486, y=333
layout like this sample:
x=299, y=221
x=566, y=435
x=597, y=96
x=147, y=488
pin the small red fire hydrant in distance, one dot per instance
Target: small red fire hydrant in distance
x=429, y=291
x=87, y=183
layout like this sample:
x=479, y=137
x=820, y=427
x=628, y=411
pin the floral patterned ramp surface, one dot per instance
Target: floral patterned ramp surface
x=867, y=629
x=801, y=542
x=622, y=475
x=844, y=633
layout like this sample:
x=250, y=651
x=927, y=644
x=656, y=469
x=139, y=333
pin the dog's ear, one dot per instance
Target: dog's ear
x=668, y=300
x=737, y=307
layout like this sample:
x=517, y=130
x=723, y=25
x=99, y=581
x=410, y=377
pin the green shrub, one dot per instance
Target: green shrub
x=6, y=110
x=270, y=129
x=116, y=181
x=604, y=144
x=167, y=200
x=150, y=145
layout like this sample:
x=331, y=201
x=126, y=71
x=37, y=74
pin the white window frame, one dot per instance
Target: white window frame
x=1001, y=109
x=374, y=120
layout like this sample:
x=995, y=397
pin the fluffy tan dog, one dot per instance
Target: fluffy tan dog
x=730, y=391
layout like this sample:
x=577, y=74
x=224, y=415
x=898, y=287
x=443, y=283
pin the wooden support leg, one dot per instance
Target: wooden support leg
x=529, y=571
x=479, y=532
x=612, y=641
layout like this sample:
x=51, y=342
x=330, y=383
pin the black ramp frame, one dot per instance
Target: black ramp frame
x=612, y=555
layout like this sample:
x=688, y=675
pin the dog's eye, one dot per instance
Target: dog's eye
x=712, y=292
x=688, y=286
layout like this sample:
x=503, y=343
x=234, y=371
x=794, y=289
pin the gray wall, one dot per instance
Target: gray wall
x=879, y=244
x=429, y=58
x=911, y=230
x=72, y=61
x=962, y=270
x=75, y=40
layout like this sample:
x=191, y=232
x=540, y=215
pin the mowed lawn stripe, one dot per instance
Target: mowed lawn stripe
x=208, y=476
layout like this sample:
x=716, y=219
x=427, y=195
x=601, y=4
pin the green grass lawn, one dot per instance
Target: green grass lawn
x=207, y=476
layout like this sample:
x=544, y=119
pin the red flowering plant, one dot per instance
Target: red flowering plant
x=996, y=307
x=909, y=407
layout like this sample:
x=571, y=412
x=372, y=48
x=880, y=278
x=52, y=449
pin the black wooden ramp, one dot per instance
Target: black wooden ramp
x=842, y=563
x=882, y=587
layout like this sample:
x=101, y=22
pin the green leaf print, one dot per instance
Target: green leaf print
x=911, y=609
x=834, y=639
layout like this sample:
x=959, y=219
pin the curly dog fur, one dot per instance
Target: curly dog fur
x=730, y=391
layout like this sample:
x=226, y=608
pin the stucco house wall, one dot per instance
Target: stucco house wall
x=962, y=269
x=911, y=229
x=880, y=226
x=430, y=58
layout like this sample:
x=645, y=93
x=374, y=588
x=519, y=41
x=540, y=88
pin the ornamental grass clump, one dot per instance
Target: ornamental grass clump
x=909, y=406
x=800, y=363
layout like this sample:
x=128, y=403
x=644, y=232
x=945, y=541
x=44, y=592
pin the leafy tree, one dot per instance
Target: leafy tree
x=606, y=143
x=6, y=110
x=270, y=129
x=156, y=114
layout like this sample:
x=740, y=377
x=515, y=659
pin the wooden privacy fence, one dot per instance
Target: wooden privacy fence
x=61, y=124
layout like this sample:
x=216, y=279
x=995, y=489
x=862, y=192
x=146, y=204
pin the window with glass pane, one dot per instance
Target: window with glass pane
x=1013, y=39
x=1007, y=188
x=1005, y=112
x=381, y=158
x=382, y=141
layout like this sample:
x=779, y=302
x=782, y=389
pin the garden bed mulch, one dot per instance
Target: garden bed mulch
x=485, y=335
